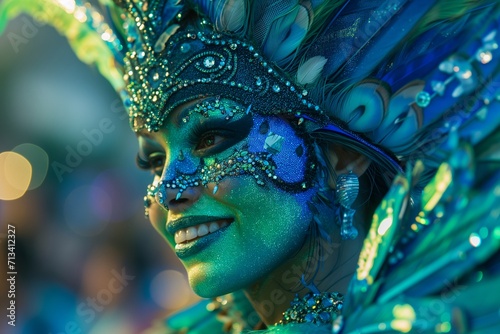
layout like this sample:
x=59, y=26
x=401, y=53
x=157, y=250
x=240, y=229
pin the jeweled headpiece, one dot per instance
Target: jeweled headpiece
x=395, y=76
x=193, y=61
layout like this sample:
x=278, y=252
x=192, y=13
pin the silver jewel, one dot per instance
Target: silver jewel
x=347, y=191
x=209, y=62
x=273, y=143
x=423, y=99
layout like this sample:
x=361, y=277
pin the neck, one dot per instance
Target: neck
x=333, y=262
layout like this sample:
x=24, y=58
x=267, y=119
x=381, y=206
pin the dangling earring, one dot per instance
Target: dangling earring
x=347, y=192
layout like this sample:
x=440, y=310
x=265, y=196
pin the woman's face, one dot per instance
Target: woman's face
x=245, y=182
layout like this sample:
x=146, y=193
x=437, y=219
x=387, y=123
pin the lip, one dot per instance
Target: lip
x=190, y=248
x=185, y=222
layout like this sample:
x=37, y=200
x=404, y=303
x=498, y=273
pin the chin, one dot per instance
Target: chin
x=211, y=288
x=209, y=285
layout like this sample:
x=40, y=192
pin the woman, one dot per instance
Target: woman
x=274, y=130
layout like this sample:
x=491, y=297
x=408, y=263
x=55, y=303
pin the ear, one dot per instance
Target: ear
x=344, y=161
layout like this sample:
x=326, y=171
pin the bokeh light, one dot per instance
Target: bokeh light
x=15, y=175
x=475, y=240
x=39, y=161
x=117, y=184
x=87, y=210
x=170, y=290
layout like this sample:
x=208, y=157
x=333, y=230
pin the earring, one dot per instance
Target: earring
x=347, y=192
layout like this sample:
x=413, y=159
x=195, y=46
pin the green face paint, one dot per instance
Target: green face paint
x=235, y=186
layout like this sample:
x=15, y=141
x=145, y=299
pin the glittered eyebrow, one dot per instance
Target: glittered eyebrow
x=186, y=109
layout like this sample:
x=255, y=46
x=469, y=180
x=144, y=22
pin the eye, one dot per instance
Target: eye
x=155, y=163
x=209, y=140
x=214, y=135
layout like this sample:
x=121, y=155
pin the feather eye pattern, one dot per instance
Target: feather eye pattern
x=310, y=70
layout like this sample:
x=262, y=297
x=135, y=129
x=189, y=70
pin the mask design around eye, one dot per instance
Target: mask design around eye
x=275, y=152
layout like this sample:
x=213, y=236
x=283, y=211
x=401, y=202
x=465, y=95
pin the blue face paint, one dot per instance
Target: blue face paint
x=272, y=152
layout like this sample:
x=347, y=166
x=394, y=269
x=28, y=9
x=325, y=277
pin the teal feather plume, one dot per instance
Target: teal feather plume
x=72, y=21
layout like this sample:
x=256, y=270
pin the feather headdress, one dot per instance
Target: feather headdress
x=389, y=74
x=405, y=79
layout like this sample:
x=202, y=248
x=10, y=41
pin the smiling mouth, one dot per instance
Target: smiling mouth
x=189, y=234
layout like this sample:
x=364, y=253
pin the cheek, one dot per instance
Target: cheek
x=158, y=218
x=266, y=216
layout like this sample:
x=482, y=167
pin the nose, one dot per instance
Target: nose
x=177, y=199
x=180, y=186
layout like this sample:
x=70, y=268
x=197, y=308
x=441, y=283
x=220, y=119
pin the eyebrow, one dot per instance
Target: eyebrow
x=185, y=111
x=186, y=108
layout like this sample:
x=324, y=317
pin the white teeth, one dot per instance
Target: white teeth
x=201, y=230
x=213, y=227
x=191, y=233
x=180, y=236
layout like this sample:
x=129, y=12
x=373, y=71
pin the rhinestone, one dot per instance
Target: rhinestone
x=209, y=62
x=423, y=99
x=273, y=143
x=258, y=82
x=309, y=317
x=185, y=47
x=276, y=88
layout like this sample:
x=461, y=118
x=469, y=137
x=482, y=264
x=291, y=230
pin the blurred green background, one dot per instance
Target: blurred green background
x=74, y=195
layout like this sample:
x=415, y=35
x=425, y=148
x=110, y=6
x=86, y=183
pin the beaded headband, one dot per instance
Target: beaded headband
x=193, y=64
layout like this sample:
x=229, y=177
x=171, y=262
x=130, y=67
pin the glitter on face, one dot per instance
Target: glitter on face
x=262, y=189
x=260, y=157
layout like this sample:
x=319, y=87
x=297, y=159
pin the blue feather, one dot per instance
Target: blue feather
x=268, y=13
x=384, y=31
x=429, y=50
x=286, y=34
x=211, y=8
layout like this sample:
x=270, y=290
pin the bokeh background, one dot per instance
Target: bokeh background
x=78, y=221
